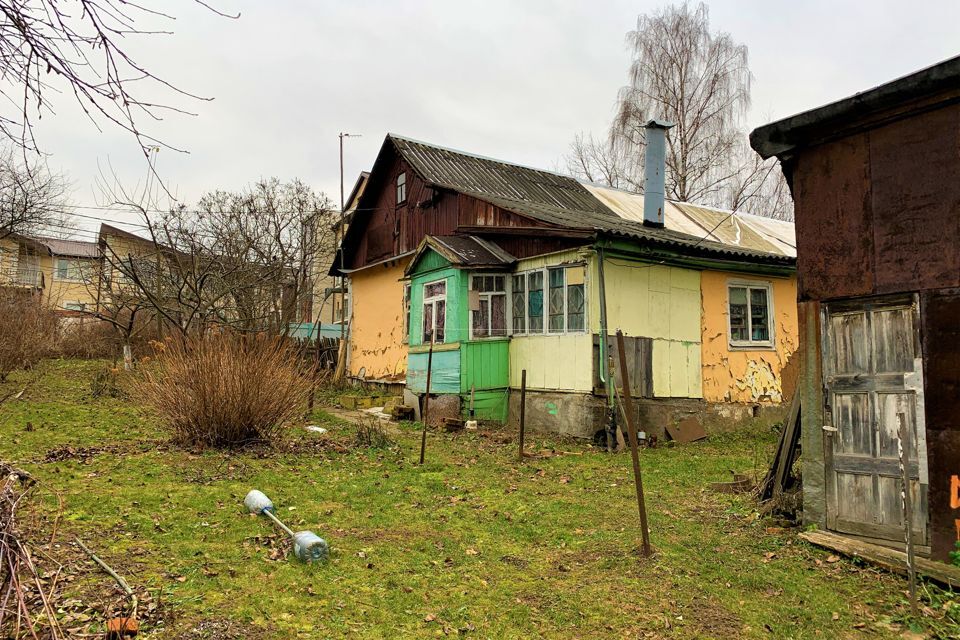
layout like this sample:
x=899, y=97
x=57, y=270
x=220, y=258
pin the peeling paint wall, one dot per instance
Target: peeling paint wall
x=377, y=347
x=658, y=302
x=732, y=374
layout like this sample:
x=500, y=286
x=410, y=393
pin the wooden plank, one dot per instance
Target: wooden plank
x=886, y=558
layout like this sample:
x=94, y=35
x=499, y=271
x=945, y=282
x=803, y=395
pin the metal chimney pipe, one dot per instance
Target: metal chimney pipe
x=654, y=172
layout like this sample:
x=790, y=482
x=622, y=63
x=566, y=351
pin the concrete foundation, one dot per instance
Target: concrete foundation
x=582, y=415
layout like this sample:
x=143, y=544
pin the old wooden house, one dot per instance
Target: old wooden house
x=876, y=180
x=508, y=268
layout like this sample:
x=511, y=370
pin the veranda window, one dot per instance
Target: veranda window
x=565, y=301
x=489, y=318
x=434, y=311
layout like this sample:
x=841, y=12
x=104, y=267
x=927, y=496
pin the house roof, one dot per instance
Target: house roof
x=733, y=229
x=565, y=202
x=817, y=125
x=463, y=251
x=71, y=248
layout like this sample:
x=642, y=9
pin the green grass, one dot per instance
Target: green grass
x=471, y=543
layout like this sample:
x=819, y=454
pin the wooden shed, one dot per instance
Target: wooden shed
x=876, y=181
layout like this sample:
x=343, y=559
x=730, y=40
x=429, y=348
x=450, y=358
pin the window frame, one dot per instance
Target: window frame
x=507, y=300
x=407, y=308
x=73, y=265
x=432, y=300
x=750, y=344
x=546, y=302
x=401, y=185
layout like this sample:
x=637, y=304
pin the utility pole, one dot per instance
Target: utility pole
x=339, y=238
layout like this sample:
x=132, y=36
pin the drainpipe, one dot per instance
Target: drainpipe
x=604, y=358
x=654, y=170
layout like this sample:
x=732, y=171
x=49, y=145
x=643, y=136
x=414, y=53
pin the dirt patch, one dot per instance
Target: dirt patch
x=221, y=629
x=708, y=617
x=84, y=454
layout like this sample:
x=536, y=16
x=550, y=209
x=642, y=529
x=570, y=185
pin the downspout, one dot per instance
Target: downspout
x=604, y=358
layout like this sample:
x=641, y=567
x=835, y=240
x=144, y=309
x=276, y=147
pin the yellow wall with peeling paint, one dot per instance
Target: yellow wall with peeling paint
x=745, y=375
x=377, y=347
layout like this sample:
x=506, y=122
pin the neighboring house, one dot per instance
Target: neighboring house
x=329, y=299
x=876, y=182
x=507, y=269
x=64, y=272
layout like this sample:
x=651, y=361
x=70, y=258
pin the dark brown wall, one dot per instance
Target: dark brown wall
x=879, y=211
x=941, y=371
x=390, y=230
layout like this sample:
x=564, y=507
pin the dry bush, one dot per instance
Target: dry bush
x=225, y=389
x=371, y=434
x=87, y=339
x=28, y=331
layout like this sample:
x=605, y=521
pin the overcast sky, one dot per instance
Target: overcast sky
x=503, y=78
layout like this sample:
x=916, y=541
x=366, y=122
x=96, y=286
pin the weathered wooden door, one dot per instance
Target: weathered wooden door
x=873, y=379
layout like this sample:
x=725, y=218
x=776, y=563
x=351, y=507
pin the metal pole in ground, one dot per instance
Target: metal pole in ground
x=426, y=401
x=632, y=429
x=523, y=407
x=906, y=500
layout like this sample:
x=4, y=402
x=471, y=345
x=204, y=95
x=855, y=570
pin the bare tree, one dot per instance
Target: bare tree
x=31, y=197
x=78, y=48
x=699, y=80
x=244, y=259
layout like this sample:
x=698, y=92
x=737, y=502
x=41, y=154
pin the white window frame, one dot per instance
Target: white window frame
x=75, y=306
x=546, y=302
x=751, y=344
x=506, y=293
x=432, y=300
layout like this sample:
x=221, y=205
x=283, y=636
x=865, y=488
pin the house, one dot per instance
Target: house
x=64, y=272
x=508, y=268
x=876, y=181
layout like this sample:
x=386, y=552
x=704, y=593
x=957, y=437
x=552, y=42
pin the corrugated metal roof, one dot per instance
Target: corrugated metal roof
x=70, y=248
x=743, y=230
x=567, y=202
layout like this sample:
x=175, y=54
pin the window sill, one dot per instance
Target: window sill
x=440, y=346
x=747, y=346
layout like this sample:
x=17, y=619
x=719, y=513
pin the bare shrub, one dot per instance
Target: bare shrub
x=225, y=389
x=28, y=331
x=87, y=339
x=371, y=434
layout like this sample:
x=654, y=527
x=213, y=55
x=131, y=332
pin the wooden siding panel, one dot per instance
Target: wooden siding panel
x=485, y=365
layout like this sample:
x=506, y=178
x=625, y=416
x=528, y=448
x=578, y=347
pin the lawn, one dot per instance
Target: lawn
x=473, y=543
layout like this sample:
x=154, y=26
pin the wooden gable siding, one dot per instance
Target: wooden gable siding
x=879, y=211
x=390, y=230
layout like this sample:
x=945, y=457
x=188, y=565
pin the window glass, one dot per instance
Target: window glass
x=440, y=321
x=498, y=315
x=427, y=321
x=556, y=300
x=535, y=301
x=519, y=307
x=738, y=314
x=575, y=307
x=490, y=316
x=481, y=319
x=760, y=331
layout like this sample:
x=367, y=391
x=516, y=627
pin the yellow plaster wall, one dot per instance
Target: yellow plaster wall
x=59, y=292
x=658, y=302
x=377, y=347
x=753, y=375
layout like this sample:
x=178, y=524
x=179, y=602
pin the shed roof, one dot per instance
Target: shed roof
x=463, y=251
x=816, y=125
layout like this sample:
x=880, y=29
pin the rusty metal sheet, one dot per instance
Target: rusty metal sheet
x=687, y=430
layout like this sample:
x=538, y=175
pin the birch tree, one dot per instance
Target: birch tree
x=683, y=72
